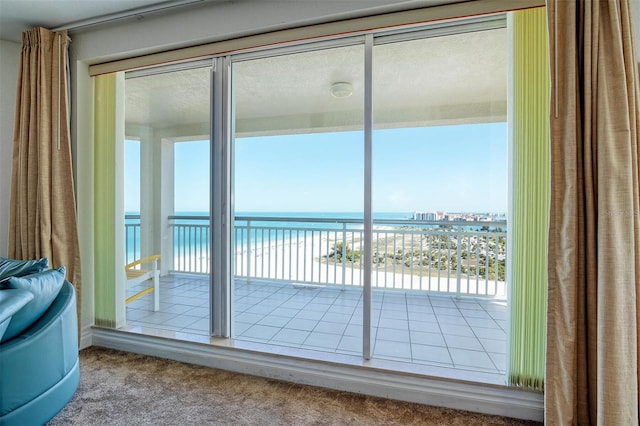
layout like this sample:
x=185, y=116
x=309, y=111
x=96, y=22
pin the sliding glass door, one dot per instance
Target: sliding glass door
x=298, y=199
x=358, y=191
x=440, y=197
x=166, y=196
x=434, y=184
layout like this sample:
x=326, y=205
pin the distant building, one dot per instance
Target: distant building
x=458, y=217
x=424, y=216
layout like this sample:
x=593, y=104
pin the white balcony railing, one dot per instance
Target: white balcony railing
x=461, y=258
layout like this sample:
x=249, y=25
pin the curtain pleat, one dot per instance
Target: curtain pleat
x=594, y=237
x=42, y=221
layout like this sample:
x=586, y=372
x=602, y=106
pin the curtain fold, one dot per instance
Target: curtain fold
x=594, y=237
x=42, y=221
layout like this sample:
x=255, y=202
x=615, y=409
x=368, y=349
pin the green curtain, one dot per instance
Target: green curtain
x=530, y=209
x=104, y=201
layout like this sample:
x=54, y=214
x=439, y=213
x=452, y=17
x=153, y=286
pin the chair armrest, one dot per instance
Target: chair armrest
x=153, y=258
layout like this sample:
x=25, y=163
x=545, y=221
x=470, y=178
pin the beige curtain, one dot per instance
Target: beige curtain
x=594, y=239
x=42, y=221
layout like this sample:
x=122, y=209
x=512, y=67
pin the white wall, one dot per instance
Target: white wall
x=217, y=21
x=9, y=62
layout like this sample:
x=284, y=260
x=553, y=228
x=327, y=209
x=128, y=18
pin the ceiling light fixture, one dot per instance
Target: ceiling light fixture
x=341, y=89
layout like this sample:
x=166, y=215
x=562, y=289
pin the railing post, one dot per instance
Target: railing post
x=344, y=253
x=458, y=266
x=172, y=249
x=248, y=250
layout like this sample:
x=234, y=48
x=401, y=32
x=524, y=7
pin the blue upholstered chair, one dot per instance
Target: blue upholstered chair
x=39, y=367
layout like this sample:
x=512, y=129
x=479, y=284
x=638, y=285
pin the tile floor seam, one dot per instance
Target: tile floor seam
x=482, y=344
x=478, y=339
x=443, y=336
x=409, y=328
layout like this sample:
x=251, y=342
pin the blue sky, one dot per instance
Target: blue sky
x=131, y=176
x=449, y=168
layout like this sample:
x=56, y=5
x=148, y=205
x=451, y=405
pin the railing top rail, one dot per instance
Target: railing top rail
x=440, y=222
x=407, y=222
x=297, y=219
x=187, y=217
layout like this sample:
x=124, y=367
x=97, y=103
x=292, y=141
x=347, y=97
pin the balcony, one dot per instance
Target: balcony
x=439, y=294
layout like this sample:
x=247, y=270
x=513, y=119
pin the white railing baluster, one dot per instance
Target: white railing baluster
x=248, y=248
x=344, y=251
x=312, y=255
x=458, y=262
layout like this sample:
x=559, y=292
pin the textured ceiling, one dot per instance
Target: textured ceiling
x=442, y=80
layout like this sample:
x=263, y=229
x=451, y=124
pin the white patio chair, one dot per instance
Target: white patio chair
x=138, y=276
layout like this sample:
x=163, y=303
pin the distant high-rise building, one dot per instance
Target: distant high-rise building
x=424, y=216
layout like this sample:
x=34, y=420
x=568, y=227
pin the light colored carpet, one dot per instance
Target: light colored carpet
x=120, y=388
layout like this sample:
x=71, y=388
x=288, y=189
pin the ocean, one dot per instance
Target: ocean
x=191, y=229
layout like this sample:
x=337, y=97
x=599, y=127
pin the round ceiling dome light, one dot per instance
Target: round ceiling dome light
x=341, y=89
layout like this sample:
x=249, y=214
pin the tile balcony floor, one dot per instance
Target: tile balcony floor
x=409, y=327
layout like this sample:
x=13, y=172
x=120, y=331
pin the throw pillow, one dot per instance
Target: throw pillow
x=11, y=301
x=45, y=286
x=20, y=268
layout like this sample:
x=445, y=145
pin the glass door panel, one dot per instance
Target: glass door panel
x=440, y=199
x=166, y=190
x=298, y=200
